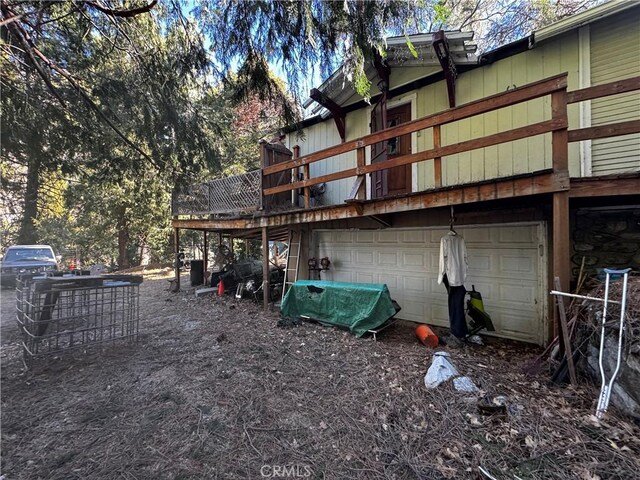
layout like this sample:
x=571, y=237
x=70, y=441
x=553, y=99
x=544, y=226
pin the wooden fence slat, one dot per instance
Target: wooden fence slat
x=605, y=131
x=613, y=88
x=502, y=137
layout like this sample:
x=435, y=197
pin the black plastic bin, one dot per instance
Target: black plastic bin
x=197, y=272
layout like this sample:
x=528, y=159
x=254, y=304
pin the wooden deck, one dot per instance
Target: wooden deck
x=554, y=184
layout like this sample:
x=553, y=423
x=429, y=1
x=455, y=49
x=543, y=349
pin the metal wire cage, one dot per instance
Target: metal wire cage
x=57, y=314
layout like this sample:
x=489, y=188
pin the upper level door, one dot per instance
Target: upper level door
x=396, y=180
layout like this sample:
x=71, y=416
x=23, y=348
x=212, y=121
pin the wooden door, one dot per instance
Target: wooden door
x=397, y=180
x=272, y=154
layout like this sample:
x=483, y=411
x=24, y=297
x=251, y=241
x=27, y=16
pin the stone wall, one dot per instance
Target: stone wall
x=626, y=388
x=606, y=239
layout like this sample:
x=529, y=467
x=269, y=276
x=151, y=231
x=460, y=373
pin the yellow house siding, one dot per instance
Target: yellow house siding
x=615, y=54
x=552, y=58
x=317, y=137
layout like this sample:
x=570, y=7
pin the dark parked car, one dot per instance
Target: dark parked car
x=26, y=259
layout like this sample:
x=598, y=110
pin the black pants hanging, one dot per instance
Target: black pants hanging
x=457, y=320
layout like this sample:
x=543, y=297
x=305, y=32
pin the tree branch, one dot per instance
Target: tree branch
x=122, y=13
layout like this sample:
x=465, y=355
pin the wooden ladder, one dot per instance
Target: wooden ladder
x=293, y=260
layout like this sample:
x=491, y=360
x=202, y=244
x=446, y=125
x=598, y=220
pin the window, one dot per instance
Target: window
x=28, y=254
x=393, y=144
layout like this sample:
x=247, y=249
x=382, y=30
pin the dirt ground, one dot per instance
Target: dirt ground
x=215, y=389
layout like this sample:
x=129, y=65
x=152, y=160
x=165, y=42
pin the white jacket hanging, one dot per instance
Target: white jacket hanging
x=453, y=259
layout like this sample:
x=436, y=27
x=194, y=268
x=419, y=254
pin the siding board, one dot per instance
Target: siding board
x=615, y=54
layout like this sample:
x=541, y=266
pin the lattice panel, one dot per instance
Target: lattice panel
x=225, y=195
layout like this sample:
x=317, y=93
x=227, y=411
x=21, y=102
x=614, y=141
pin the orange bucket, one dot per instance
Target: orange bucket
x=426, y=336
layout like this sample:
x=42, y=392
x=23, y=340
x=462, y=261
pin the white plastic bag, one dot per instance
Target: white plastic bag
x=440, y=371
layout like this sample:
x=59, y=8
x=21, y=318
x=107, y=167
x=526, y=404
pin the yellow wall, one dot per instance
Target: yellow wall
x=555, y=56
x=615, y=54
x=513, y=158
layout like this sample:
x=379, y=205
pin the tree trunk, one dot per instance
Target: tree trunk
x=123, y=239
x=27, y=234
x=143, y=249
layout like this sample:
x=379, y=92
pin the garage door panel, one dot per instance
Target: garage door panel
x=439, y=314
x=413, y=236
x=365, y=237
x=517, y=295
x=342, y=237
x=411, y=310
x=480, y=262
x=512, y=324
x=344, y=276
x=392, y=281
x=387, y=236
x=388, y=259
x=523, y=263
x=343, y=259
x=477, y=236
x=414, y=284
x=523, y=235
x=414, y=260
x=365, y=277
x=365, y=258
x=485, y=287
x=504, y=264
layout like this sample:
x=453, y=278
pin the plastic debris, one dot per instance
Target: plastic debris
x=440, y=371
x=464, y=384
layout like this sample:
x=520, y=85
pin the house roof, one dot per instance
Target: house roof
x=339, y=88
x=580, y=19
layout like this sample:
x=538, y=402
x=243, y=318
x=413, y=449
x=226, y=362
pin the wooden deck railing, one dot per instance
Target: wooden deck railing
x=556, y=87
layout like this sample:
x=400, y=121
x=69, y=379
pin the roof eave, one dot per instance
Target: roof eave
x=576, y=21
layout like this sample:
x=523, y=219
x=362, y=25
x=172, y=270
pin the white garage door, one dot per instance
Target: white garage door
x=506, y=264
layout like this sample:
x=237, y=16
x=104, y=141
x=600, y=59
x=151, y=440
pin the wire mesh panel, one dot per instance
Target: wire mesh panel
x=226, y=195
x=56, y=314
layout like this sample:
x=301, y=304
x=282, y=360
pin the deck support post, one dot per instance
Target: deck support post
x=295, y=175
x=561, y=236
x=176, y=247
x=265, y=267
x=205, y=256
x=437, y=162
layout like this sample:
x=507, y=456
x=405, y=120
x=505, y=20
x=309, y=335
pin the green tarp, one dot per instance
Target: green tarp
x=356, y=306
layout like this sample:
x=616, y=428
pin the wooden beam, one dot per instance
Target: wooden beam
x=357, y=185
x=537, y=183
x=205, y=256
x=176, y=247
x=566, y=338
x=263, y=159
x=612, y=88
x=384, y=72
x=560, y=138
x=307, y=190
x=360, y=163
x=265, y=268
x=380, y=220
x=495, y=139
x=605, y=131
x=561, y=239
x=357, y=206
x=441, y=48
x=337, y=112
x=437, y=161
x=604, y=186
x=488, y=104
x=294, y=173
